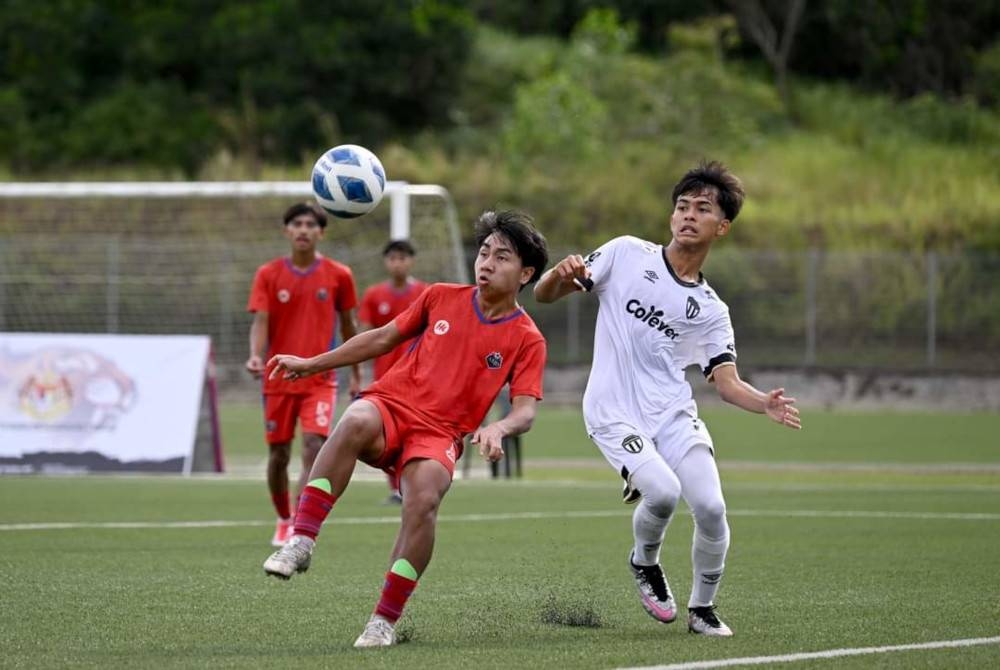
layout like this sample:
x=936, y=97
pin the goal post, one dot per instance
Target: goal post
x=79, y=259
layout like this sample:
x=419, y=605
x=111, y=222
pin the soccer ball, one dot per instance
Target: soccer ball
x=348, y=181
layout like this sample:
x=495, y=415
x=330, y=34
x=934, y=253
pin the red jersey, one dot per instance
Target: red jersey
x=302, y=308
x=460, y=360
x=381, y=304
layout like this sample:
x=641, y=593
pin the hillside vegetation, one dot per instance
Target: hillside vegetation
x=589, y=134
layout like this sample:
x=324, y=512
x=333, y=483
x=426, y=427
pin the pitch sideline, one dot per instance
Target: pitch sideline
x=829, y=653
x=508, y=516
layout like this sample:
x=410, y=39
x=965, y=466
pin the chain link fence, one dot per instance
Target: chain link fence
x=880, y=310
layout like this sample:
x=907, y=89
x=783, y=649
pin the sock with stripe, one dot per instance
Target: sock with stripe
x=399, y=584
x=315, y=504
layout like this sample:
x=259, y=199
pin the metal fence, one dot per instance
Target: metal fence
x=881, y=310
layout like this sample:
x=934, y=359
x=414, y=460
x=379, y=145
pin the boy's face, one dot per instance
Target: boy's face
x=303, y=232
x=398, y=264
x=697, y=219
x=499, y=269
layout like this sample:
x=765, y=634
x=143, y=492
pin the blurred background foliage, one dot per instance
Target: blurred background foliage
x=583, y=112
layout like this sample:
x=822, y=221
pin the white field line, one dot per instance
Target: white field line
x=509, y=516
x=377, y=477
x=829, y=653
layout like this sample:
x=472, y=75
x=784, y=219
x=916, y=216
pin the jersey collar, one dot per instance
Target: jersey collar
x=492, y=322
x=670, y=269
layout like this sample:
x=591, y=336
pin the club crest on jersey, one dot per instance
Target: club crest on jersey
x=383, y=308
x=632, y=444
x=321, y=294
x=494, y=361
x=284, y=295
x=692, y=309
x=441, y=327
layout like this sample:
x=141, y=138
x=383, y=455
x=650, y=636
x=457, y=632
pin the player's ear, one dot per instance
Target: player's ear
x=723, y=228
x=526, y=273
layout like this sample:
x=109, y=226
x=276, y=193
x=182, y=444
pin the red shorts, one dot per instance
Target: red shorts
x=313, y=410
x=408, y=436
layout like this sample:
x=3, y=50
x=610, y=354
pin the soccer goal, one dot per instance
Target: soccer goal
x=179, y=257
x=132, y=262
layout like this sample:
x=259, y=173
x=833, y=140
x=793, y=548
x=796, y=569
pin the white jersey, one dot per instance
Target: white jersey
x=651, y=325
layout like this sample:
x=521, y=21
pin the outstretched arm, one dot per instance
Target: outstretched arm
x=559, y=281
x=518, y=420
x=362, y=347
x=778, y=407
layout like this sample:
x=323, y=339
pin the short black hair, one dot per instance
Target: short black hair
x=300, y=208
x=713, y=175
x=517, y=227
x=402, y=246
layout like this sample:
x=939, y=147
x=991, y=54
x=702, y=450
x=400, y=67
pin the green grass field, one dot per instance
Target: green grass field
x=863, y=530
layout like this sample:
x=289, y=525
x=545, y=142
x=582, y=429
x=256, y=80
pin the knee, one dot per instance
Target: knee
x=661, y=500
x=421, y=504
x=280, y=455
x=710, y=518
x=360, y=426
x=311, y=446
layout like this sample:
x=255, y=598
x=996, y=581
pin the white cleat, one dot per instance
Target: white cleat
x=294, y=556
x=704, y=621
x=378, y=632
x=654, y=592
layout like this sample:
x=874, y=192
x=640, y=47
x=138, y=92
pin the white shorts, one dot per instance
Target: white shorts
x=626, y=447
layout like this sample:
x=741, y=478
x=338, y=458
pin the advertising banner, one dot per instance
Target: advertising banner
x=100, y=403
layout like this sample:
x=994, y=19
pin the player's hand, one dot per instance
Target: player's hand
x=286, y=366
x=255, y=366
x=572, y=268
x=490, y=441
x=781, y=409
x=354, y=384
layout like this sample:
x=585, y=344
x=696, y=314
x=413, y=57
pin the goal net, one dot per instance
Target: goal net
x=179, y=257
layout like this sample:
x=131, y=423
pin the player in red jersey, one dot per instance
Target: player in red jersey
x=296, y=301
x=382, y=303
x=471, y=340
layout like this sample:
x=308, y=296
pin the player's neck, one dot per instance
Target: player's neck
x=304, y=259
x=686, y=261
x=399, y=283
x=496, y=306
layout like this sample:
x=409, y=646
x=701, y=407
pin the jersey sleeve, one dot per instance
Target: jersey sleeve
x=366, y=311
x=347, y=295
x=259, y=291
x=412, y=321
x=719, y=345
x=528, y=371
x=600, y=262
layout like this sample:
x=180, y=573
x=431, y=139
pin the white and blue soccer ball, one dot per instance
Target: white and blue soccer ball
x=348, y=181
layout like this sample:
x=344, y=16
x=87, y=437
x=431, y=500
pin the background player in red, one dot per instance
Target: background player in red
x=382, y=303
x=471, y=341
x=296, y=301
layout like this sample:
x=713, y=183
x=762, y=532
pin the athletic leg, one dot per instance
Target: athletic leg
x=702, y=490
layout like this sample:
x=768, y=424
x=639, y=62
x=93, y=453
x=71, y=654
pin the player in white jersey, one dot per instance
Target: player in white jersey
x=657, y=316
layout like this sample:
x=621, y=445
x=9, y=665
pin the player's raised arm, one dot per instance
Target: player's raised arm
x=361, y=347
x=775, y=404
x=567, y=276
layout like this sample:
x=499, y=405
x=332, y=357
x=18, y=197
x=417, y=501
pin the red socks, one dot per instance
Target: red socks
x=395, y=593
x=282, y=505
x=314, y=506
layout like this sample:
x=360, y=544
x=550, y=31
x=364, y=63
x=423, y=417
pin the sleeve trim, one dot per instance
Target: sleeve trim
x=718, y=361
